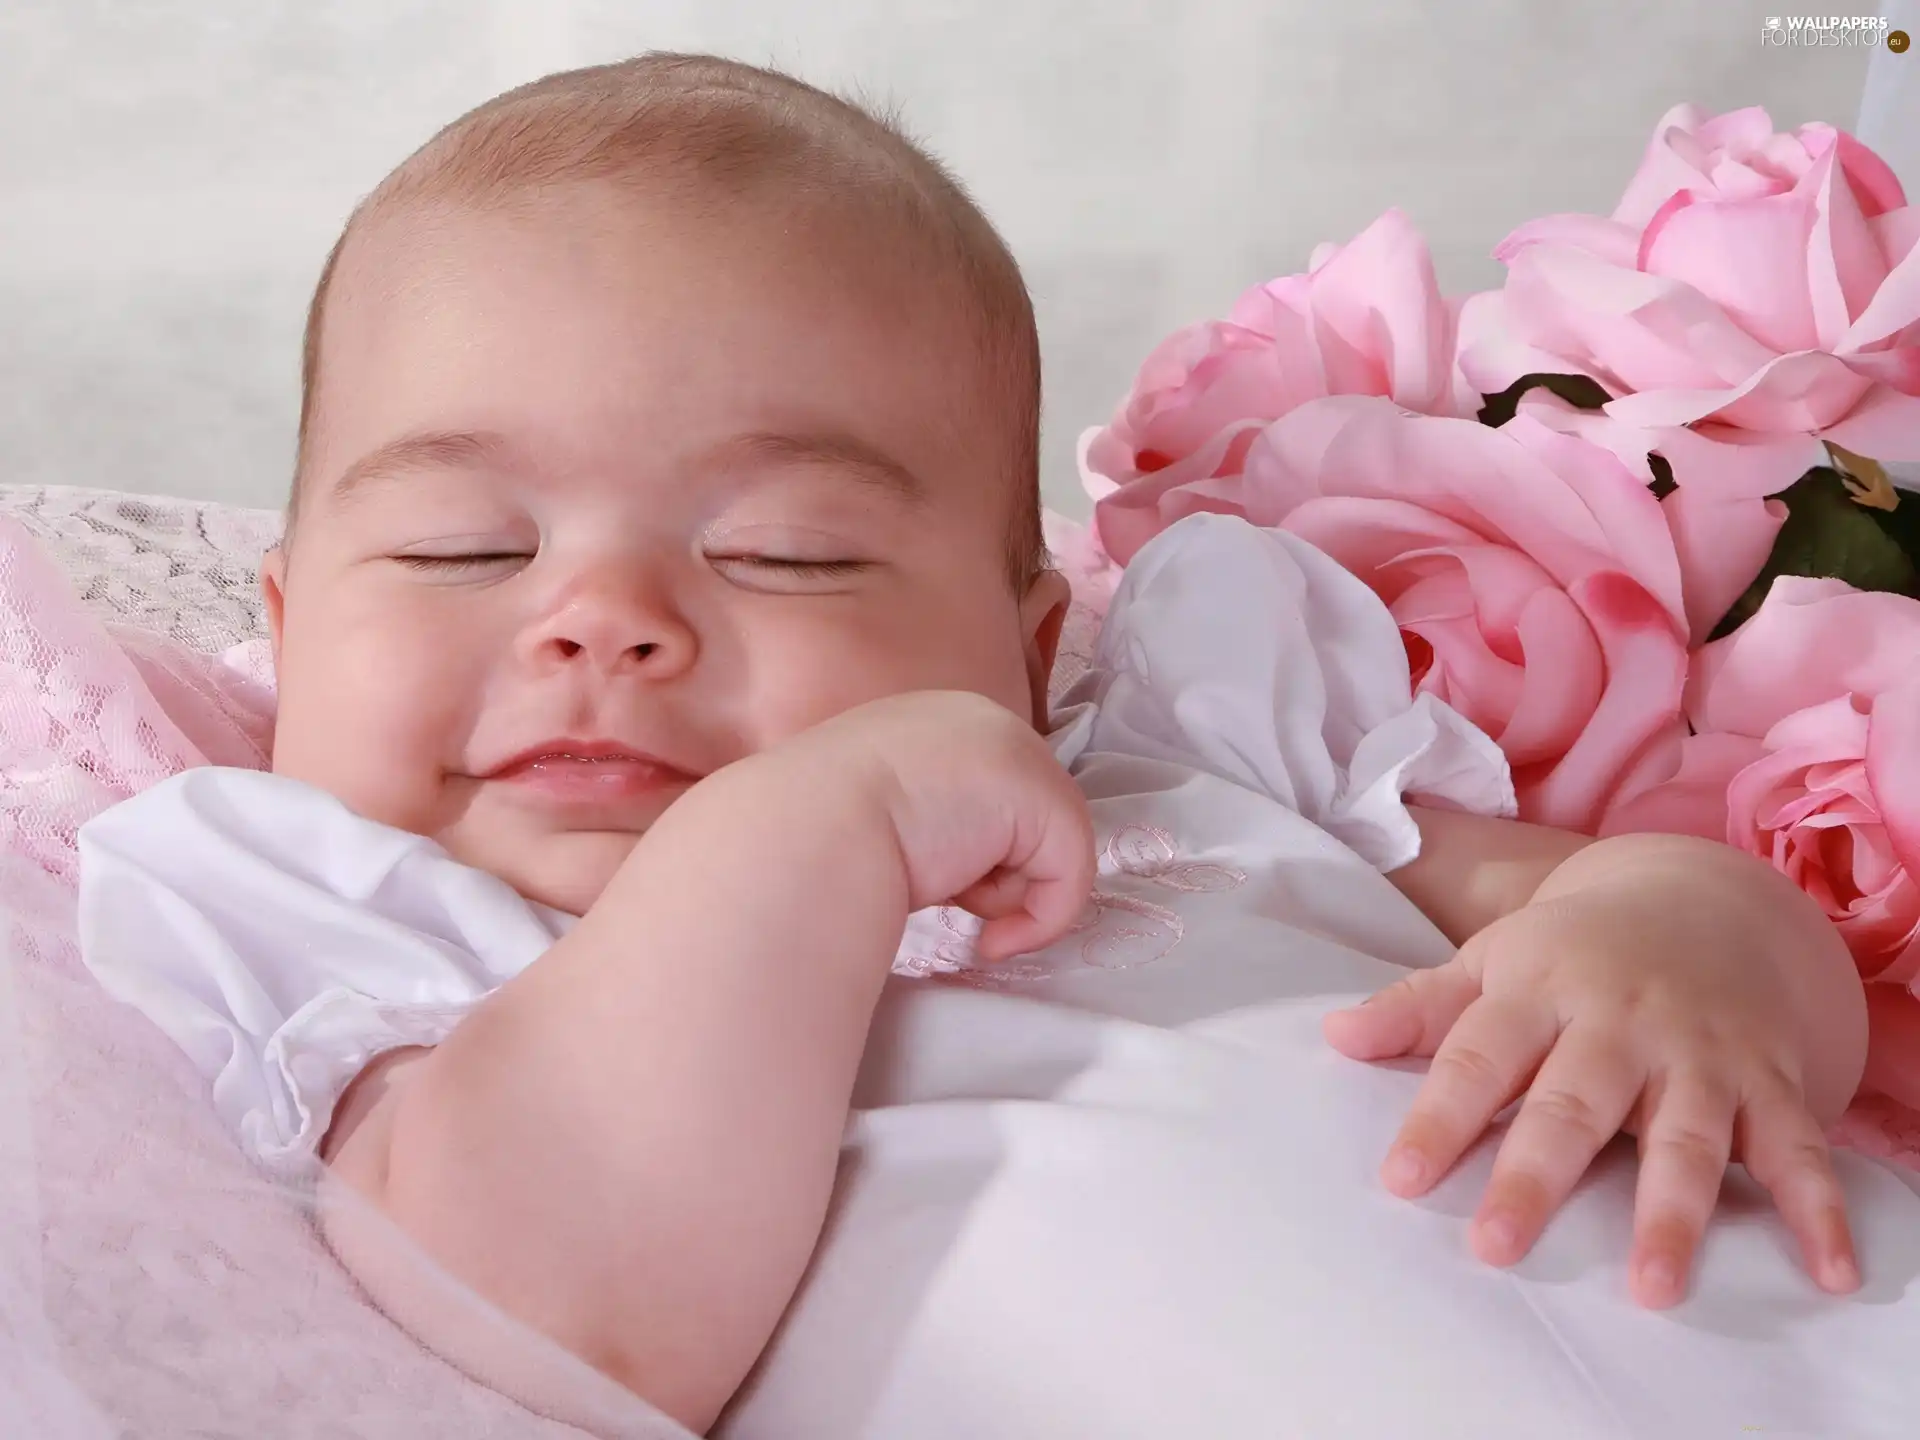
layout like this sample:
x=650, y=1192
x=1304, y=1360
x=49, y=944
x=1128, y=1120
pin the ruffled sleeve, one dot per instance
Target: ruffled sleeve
x=283, y=942
x=1250, y=655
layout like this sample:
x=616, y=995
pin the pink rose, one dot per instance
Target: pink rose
x=1723, y=541
x=1808, y=755
x=1532, y=574
x=1752, y=296
x=1739, y=156
x=1367, y=318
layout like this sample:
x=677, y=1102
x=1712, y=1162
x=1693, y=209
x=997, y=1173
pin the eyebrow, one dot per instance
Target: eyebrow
x=468, y=449
x=424, y=450
x=845, y=454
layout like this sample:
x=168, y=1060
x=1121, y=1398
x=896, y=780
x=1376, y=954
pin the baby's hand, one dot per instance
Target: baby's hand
x=986, y=818
x=1641, y=1005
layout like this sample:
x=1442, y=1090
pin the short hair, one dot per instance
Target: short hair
x=724, y=127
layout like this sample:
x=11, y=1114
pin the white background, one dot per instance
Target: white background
x=172, y=171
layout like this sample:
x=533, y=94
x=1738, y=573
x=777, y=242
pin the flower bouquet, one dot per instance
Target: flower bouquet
x=1638, y=511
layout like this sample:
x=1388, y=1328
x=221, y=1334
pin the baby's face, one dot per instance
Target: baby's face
x=602, y=498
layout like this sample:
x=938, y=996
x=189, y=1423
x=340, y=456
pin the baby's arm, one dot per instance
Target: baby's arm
x=631, y=1145
x=1667, y=986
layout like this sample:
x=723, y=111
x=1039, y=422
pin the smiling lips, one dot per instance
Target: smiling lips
x=590, y=772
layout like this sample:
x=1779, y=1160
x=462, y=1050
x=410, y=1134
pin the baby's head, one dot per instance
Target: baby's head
x=663, y=409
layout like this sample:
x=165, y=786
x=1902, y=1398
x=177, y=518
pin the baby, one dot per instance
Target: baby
x=665, y=545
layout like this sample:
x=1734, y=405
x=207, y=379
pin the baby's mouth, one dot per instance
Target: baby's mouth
x=590, y=773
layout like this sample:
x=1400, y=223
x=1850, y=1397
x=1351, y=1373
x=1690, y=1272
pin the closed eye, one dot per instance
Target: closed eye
x=445, y=563
x=782, y=565
x=808, y=567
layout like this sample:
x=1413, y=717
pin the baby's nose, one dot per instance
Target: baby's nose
x=617, y=628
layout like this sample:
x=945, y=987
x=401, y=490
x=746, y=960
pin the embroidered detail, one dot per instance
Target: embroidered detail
x=947, y=955
x=1115, y=931
x=1148, y=852
x=919, y=967
x=1120, y=944
x=999, y=977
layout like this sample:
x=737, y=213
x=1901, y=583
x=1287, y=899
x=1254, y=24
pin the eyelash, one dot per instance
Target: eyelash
x=825, y=568
x=784, y=566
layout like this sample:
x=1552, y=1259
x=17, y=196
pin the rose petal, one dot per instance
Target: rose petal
x=1145, y=505
x=1645, y=669
x=1734, y=464
x=1629, y=444
x=1562, y=678
x=1633, y=529
x=1897, y=233
x=1491, y=354
x=1896, y=303
x=1693, y=799
x=1893, y=767
x=1101, y=456
x=1811, y=640
x=1807, y=391
x=1382, y=325
x=1467, y=673
x=1826, y=731
x=1612, y=240
x=1875, y=185
x=1844, y=263
x=1616, y=322
x=1749, y=257
x=1885, y=426
x=1461, y=470
x=1198, y=382
x=1663, y=170
x=1721, y=546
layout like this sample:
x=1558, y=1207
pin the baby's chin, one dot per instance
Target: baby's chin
x=565, y=870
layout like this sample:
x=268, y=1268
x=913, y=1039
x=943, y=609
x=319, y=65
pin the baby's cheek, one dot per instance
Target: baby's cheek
x=372, y=728
x=806, y=679
x=818, y=686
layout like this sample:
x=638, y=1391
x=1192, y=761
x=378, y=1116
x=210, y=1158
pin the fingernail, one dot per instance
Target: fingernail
x=1406, y=1169
x=1661, y=1276
x=1843, y=1273
x=1501, y=1232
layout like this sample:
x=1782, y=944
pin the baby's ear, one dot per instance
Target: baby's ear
x=1043, y=612
x=273, y=594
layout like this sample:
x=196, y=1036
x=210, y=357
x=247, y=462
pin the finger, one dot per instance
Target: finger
x=1000, y=899
x=1583, y=1093
x=1006, y=936
x=1056, y=872
x=1001, y=892
x=1783, y=1148
x=1410, y=1017
x=1483, y=1063
x=1685, y=1144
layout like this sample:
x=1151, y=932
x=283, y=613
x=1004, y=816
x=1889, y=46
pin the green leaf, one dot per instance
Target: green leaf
x=1829, y=536
x=1581, y=391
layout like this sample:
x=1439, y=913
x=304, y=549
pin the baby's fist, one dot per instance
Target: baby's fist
x=986, y=818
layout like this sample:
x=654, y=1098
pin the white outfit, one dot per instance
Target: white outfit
x=1119, y=1188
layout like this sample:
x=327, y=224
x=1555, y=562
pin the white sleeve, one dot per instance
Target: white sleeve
x=1251, y=655
x=283, y=941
